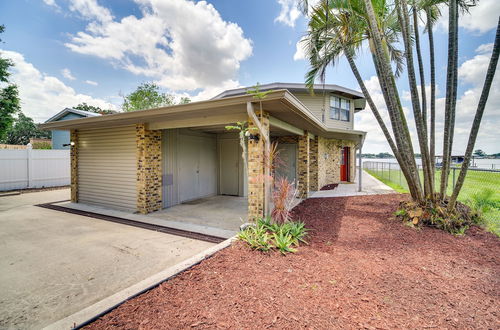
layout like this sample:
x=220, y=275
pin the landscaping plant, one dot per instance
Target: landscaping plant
x=265, y=235
x=284, y=199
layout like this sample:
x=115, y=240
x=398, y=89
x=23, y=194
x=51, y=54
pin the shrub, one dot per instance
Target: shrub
x=284, y=199
x=256, y=237
x=265, y=235
x=436, y=214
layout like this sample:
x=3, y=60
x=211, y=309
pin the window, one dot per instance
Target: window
x=340, y=108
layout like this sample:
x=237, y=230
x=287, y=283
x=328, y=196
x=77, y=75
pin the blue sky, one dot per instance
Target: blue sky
x=95, y=51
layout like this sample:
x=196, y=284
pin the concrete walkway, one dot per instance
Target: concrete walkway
x=54, y=264
x=370, y=186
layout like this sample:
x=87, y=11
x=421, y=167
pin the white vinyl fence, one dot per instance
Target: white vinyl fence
x=29, y=168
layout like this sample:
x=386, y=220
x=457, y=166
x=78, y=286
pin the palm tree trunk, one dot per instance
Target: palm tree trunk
x=376, y=113
x=402, y=10
x=432, y=146
x=420, y=65
x=387, y=82
x=490, y=74
x=450, y=94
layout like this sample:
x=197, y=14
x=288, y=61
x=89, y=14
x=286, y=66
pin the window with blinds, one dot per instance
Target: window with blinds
x=340, y=108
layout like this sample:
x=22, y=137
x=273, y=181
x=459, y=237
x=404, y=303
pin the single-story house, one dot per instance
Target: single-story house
x=60, y=138
x=147, y=160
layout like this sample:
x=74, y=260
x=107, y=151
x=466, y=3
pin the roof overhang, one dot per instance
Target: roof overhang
x=64, y=112
x=280, y=104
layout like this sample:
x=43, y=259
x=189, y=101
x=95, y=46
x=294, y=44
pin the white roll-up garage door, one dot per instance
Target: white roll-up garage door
x=107, y=173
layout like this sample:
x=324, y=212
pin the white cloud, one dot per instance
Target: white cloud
x=289, y=12
x=91, y=10
x=183, y=45
x=91, y=82
x=42, y=95
x=484, y=48
x=50, y=3
x=482, y=18
x=66, y=73
x=299, y=50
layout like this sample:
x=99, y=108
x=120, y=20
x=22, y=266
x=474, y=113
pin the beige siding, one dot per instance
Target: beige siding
x=315, y=104
x=107, y=169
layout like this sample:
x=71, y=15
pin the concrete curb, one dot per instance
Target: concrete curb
x=93, y=312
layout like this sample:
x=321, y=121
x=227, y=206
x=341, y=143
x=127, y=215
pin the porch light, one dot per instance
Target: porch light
x=254, y=137
x=72, y=143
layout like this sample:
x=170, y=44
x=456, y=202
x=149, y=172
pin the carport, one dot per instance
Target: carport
x=180, y=164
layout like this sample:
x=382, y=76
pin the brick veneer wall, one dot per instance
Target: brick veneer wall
x=256, y=170
x=73, y=154
x=149, y=169
x=313, y=165
x=303, y=165
x=329, y=153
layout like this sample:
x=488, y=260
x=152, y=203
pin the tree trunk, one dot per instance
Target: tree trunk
x=450, y=94
x=402, y=10
x=420, y=65
x=432, y=146
x=391, y=96
x=490, y=74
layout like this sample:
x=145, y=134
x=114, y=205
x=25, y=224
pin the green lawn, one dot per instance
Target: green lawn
x=477, y=184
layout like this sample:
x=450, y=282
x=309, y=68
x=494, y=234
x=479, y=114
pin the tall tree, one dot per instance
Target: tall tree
x=9, y=96
x=347, y=23
x=432, y=13
x=147, y=96
x=23, y=130
x=451, y=92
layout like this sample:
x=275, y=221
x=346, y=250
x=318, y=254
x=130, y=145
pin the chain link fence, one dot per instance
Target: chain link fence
x=477, y=180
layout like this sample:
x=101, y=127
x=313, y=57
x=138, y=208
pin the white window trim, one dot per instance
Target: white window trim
x=339, y=109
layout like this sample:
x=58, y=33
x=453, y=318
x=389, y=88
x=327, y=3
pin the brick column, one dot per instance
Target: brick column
x=303, y=165
x=256, y=170
x=149, y=169
x=74, y=165
x=313, y=165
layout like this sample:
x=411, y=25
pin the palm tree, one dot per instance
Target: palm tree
x=341, y=33
x=407, y=28
x=451, y=91
x=338, y=28
x=490, y=74
x=431, y=15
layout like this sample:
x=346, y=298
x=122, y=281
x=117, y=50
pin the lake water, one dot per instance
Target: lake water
x=480, y=163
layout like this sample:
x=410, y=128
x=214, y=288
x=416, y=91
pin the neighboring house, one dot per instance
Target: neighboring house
x=60, y=138
x=147, y=160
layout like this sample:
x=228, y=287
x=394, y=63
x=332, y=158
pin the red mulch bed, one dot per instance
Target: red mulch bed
x=360, y=270
x=330, y=186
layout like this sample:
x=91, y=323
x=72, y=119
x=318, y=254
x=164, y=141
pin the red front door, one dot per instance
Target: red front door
x=344, y=164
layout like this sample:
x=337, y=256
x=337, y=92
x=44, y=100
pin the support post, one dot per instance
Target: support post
x=360, y=170
x=304, y=165
x=259, y=176
x=149, y=170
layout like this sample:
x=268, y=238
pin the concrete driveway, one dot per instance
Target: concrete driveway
x=54, y=264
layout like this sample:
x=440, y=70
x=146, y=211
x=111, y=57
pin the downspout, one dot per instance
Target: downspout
x=267, y=148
